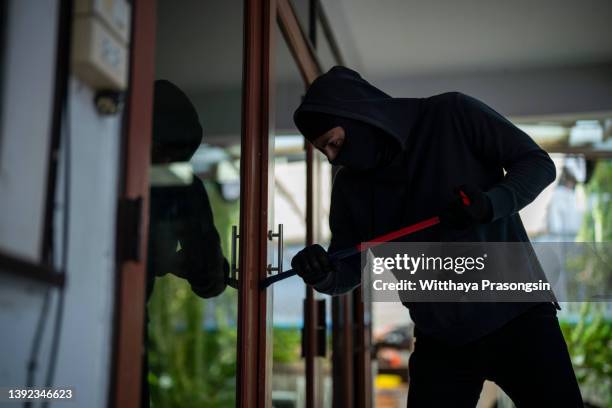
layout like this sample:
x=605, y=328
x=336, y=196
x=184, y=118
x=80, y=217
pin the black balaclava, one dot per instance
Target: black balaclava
x=365, y=147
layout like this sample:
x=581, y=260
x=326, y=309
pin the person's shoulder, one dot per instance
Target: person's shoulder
x=456, y=101
x=441, y=102
x=452, y=97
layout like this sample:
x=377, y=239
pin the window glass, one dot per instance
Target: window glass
x=289, y=187
x=324, y=51
x=302, y=11
x=195, y=192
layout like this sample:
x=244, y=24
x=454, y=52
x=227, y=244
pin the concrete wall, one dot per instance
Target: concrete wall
x=85, y=342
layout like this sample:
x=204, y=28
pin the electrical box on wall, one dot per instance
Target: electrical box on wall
x=115, y=13
x=100, y=43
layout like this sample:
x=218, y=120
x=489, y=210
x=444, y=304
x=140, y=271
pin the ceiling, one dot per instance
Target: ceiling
x=199, y=43
x=419, y=47
x=395, y=38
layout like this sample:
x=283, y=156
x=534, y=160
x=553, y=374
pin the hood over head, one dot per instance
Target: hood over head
x=177, y=132
x=343, y=93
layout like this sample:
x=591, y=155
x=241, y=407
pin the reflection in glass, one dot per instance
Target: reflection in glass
x=195, y=191
x=324, y=50
x=183, y=239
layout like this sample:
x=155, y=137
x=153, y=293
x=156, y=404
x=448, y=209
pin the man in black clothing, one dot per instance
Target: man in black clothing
x=404, y=160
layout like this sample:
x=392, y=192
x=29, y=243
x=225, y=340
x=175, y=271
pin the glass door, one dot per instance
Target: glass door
x=287, y=189
x=302, y=361
x=194, y=177
x=277, y=326
x=301, y=375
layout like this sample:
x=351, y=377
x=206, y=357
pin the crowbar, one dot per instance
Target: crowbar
x=345, y=253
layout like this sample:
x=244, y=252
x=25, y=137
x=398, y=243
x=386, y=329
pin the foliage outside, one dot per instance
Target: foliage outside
x=589, y=339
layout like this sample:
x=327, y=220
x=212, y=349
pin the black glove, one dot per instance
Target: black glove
x=312, y=264
x=469, y=207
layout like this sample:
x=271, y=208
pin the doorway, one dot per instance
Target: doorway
x=242, y=67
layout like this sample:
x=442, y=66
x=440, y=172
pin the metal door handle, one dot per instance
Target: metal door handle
x=232, y=279
x=279, y=255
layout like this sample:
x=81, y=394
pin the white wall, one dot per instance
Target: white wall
x=86, y=338
x=85, y=347
x=25, y=109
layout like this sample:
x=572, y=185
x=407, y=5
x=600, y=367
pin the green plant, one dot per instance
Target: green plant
x=286, y=345
x=592, y=268
x=597, y=225
x=191, y=362
x=589, y=342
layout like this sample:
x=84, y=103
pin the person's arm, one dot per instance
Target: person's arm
x=347, y=273
x=204, y=265
x=495, y=140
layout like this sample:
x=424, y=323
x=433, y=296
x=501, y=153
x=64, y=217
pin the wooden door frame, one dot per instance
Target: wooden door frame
x=259, y=17
x=303, y=53
x=126, y=375
x=259, y=44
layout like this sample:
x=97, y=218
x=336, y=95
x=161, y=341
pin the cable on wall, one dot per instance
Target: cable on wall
x=61, y=133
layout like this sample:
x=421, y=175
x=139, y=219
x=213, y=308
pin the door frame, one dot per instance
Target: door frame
x=132, y=228
x=254, y=340
x=252, y=370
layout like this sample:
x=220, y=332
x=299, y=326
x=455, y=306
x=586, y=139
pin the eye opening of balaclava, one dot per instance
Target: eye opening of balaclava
x=366, y=147
x=177, y=132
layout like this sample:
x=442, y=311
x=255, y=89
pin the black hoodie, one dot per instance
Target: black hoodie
x=445, y=141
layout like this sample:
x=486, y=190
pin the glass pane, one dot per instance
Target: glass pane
x=289, y=196
x=322, y=194
x=302, y=11
x=324, y=51
x=195, y=190
x=323, y=184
